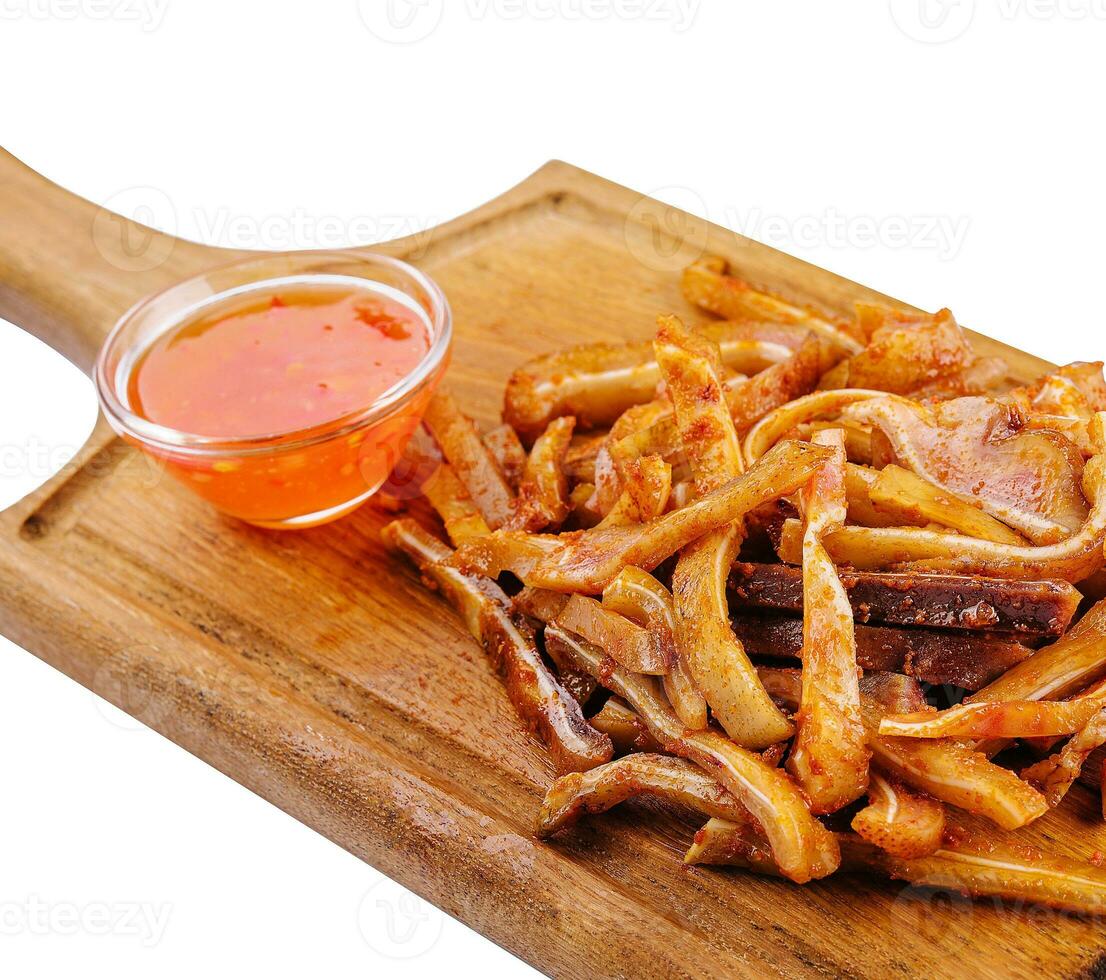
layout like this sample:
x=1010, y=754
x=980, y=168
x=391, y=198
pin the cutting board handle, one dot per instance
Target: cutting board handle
x=69, y=269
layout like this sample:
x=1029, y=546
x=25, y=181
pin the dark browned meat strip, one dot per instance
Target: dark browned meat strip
x=964, y=602
x=967, y=660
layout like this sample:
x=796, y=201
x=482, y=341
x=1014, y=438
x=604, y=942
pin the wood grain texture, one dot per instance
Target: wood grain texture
x=316, y=670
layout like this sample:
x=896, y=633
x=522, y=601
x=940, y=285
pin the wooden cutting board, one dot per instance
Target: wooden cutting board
x=316, y=670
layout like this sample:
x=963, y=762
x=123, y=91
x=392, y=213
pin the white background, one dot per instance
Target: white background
x=944, y=151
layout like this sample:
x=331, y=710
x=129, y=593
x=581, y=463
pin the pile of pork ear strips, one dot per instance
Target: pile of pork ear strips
x=836, y=584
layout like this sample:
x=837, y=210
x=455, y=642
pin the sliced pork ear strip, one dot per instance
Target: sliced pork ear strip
x=980, y=448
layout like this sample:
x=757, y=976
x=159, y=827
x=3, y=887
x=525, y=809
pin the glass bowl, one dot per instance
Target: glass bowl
x=293, y=479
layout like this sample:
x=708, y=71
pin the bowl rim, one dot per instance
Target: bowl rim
x=167, y=439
